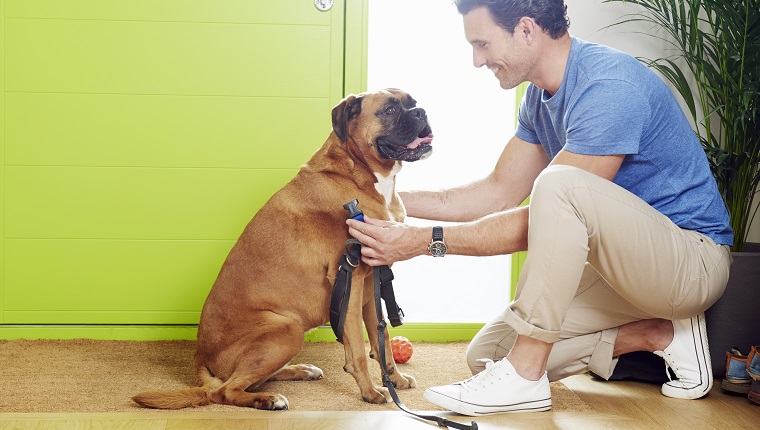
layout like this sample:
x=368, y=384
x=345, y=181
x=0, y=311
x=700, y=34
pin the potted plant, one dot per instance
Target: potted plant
x=714, y=65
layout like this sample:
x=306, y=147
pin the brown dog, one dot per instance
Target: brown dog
x=277, y=281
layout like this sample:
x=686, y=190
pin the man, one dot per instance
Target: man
x=626, y=231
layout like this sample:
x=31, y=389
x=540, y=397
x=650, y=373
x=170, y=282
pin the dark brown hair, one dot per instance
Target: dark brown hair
x=550, y=15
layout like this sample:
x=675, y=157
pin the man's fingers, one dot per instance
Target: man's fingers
x=360, y=231
x=372, y=262
x=370, y=259
x=376, y=222
x=371, y=234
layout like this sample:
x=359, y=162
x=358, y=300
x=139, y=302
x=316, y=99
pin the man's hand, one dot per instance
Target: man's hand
x=385, y=242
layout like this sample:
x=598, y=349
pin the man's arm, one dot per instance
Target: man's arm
x=505, y=187
x=502, y=232
x=507, y=232
x=605, y=166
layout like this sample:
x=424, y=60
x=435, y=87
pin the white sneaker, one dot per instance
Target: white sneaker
x=689, y=358
x=496, y=389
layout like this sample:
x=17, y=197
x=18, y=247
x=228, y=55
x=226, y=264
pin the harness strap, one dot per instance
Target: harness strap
x=342, y=287
x=384, y=277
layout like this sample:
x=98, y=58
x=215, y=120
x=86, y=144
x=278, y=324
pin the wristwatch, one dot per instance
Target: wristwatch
x=437, y=247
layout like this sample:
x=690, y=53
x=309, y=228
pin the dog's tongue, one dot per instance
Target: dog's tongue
x=419, y=141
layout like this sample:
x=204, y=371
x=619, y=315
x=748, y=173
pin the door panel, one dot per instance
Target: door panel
x=139, y=139
x=230, y=11
x=162, y=131
x=173, y=58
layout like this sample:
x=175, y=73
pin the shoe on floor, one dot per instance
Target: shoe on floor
x=688, y=357
x=754, y=392
x=497, y=389
x=737, y=379
x=753, y=363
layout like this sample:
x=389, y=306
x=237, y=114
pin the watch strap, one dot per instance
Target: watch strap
x=437, y=234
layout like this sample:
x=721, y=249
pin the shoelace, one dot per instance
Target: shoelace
x=668, y=366
x=478, y=380
x=679, y=377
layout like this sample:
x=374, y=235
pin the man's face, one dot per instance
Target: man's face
x=492, y=46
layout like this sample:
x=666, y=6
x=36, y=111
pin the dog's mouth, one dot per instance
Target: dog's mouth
x=420, y=140
x=417, y=149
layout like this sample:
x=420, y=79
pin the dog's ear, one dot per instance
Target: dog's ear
x=348, y=108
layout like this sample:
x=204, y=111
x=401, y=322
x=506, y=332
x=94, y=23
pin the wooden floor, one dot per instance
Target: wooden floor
x=618, y=405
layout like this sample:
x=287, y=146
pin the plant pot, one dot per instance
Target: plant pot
x=734, y=320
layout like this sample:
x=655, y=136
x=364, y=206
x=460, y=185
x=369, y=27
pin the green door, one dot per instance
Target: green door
x=141, y=136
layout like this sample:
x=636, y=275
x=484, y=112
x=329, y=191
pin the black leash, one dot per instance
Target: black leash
x=383, y=289
x=381, y=325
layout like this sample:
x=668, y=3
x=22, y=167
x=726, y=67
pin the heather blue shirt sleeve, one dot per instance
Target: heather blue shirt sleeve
x=525, y=128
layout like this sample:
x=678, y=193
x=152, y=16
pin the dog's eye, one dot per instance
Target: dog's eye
x=392, y=110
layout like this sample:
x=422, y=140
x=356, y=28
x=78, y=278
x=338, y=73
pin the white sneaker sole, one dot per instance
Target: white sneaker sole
x=474, y=410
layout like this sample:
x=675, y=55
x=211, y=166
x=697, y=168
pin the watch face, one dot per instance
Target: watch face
x=438, y=249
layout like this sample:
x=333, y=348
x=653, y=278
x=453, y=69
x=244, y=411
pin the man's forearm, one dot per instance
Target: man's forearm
x=507, y=186
x=434, y=205
x=386, y=242
x=462, y=204
x=500, y=233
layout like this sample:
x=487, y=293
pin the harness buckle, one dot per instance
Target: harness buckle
x=353, y=249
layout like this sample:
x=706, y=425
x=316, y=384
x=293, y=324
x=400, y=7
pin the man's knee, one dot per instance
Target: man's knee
x=556, y=178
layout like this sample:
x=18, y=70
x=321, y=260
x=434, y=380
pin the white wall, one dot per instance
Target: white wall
x=588, y=19
x=419, y=46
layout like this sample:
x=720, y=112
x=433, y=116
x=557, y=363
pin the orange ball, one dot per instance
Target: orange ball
x=402, y=349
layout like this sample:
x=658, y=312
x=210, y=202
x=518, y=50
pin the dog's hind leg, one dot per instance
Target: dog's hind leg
x=233, y=392
x=399, y=380
x=258, y=357
x=203, y=376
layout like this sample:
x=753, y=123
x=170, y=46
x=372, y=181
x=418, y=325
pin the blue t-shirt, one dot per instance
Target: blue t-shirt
x=609, y=103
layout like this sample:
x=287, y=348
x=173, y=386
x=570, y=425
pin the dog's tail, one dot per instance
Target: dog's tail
x=185, y=398
x=189, y=397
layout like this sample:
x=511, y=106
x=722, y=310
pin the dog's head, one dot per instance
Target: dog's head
x=387, y=121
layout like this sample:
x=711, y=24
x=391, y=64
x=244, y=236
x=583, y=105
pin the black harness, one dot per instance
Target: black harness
x=383, y=278
x=342, y=289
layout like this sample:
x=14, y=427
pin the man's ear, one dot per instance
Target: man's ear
x=348, y=108
x=526, y=28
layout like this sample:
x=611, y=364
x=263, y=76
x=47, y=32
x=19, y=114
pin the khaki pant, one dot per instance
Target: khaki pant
x=599, y=257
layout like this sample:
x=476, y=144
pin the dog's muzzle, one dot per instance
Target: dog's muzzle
x=417, y=149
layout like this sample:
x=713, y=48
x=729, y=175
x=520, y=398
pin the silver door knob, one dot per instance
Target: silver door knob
x=323, y=5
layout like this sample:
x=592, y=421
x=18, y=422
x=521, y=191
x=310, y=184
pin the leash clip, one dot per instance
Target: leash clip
x=350, y=251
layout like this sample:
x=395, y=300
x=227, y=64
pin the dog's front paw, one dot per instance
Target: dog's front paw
x=402, y=381
x=377, y=395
